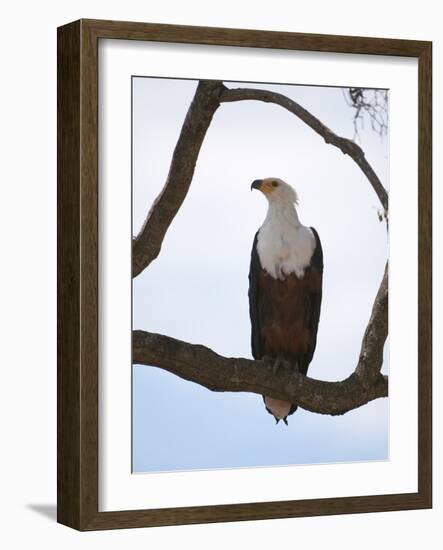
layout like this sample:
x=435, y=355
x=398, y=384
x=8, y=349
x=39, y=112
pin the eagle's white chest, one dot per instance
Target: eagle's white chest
x=284, y=246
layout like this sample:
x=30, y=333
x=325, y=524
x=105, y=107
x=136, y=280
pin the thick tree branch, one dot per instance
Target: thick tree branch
x=147, y=244
x=347, y=146
x=371, y=354
x=200, y=364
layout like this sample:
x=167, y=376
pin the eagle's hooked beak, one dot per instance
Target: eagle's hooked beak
x=256, y=184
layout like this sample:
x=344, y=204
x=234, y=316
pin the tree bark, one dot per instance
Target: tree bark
x=203, y=366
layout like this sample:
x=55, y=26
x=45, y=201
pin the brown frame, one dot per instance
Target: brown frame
x=77, y=405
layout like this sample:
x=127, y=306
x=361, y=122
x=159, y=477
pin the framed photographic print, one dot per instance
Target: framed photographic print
x=244, y=275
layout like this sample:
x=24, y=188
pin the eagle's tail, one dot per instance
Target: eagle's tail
x=279, y=409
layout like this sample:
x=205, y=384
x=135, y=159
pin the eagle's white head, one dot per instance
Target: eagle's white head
x=276, y=190
x=284, y=245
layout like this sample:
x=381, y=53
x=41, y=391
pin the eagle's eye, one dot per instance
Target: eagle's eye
x=274, y=183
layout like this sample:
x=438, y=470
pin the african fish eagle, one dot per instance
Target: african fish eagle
x=285, y=287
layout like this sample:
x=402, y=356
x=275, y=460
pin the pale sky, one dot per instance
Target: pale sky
x=197, y=289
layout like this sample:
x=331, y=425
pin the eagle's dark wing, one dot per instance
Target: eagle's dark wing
x=314, y=303
x=313, y=308
x=254, y=271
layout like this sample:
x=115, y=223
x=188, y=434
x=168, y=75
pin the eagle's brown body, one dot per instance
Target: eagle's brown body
x=286, y=310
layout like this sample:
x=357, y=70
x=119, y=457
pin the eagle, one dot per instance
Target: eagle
x=285, y=287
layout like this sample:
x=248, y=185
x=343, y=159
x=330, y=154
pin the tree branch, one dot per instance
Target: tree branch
x=371, y=354
x=347, y=146
x=147, y=244
x=200, y=364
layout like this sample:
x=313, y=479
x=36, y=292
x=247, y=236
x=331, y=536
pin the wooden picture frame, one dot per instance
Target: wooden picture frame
x=77, y=455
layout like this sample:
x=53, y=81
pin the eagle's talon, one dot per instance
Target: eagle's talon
x=278, y=363
x=295, y=367
x=288, y=365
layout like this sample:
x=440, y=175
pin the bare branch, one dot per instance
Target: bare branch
x=200, y=364
x=371, y=355
x=347, y=146
x=147, y=244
